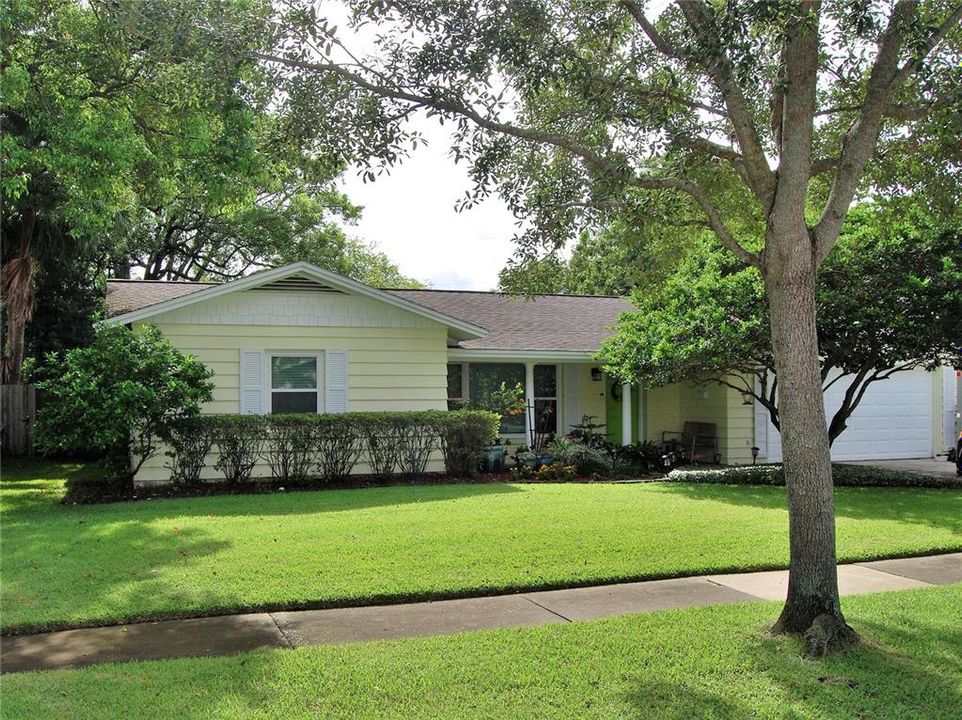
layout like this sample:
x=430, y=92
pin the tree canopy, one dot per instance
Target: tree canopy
x=144, y=137
x=889, y=299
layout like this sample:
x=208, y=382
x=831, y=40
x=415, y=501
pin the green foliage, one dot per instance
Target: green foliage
x=289, y=447
x=617, y=260
x=301, y=447
x=118, y=395
x=70, y=296
x=189, y=441
x=889, y=297
x=502, y=400
x=843, y=475
x=141, y=134
x=238, y=440
x=589, y=459
x=464, y=436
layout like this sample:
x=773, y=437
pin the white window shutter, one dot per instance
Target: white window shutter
x=335, y=381
x=252, y=382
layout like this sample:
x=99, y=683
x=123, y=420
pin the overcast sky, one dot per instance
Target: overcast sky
x=410, y=215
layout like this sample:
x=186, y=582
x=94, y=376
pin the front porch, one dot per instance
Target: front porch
x=564, y=390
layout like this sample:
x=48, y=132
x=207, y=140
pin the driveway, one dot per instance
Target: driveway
x=927, y=466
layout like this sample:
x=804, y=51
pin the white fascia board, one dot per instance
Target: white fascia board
x=465, y=330
x=541, y=356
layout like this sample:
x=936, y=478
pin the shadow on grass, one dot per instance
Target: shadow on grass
x=96, y=575
x=941, y=508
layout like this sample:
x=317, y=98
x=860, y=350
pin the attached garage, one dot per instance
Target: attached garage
x=894, y=421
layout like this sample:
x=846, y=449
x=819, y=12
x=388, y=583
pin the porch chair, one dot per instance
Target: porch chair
x=696, y=443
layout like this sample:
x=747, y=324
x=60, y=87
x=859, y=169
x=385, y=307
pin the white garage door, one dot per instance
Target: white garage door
x=894, y=420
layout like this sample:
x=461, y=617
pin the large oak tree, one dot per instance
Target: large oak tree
x=569, y=108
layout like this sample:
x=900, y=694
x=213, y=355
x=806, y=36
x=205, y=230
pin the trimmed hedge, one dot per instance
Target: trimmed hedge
x=298, y=448
x=843, y=475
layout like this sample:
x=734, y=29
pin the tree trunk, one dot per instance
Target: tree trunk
x=812, y=605
x=16, y=282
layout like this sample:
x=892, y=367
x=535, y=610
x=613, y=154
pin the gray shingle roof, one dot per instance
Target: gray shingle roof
x=543, y=323
x=124, y=296
x=565, y=323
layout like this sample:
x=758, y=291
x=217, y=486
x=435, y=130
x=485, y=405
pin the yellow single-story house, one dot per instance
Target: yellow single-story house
x=300, y=338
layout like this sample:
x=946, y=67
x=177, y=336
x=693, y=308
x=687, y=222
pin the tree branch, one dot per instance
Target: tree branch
x=952, y=20
x=761, y=179
x=862, y=138
x=663, y=46
x=596, y=162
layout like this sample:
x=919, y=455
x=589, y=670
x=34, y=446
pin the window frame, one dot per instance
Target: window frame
x=269, y=390
x=465, y=398
x=556, y=397
x=511, y=432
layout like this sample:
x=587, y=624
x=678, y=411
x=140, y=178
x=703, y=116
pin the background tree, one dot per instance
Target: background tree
x=141, y=135
x=889, y=299
x=618, y=259
x=104, y=105
x=567, y=109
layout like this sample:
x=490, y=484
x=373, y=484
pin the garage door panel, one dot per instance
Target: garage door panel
x=894, y=420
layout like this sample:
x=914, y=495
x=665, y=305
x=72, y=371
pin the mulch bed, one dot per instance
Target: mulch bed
x=86, y=494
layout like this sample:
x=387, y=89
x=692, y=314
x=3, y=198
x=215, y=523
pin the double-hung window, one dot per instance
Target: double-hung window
x=295, y=383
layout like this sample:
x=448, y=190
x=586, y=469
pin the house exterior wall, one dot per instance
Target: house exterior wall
x=668, y=408
x=396, y=360
x=591, y=395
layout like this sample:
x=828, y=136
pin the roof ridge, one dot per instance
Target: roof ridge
x=168, y=282
x=504, y=294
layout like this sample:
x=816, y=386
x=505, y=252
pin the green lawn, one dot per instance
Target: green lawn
x=86, y=564
x=713, y=662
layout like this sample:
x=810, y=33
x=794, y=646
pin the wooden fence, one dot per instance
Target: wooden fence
x=18, y=412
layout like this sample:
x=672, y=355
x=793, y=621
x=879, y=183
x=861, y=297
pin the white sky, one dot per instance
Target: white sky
x=410, y=215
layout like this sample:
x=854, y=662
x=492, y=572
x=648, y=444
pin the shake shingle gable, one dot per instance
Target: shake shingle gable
x=544, y=323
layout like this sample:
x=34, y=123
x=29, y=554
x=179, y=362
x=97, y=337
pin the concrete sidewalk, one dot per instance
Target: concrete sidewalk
x=229, y=634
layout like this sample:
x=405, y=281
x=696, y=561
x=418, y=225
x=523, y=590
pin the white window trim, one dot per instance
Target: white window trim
x=319, y=381
x=556, y=397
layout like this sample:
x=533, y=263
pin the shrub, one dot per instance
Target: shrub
x=464, y=434
x=298, y=447
x=237, y=439
x=118, y=396
x=97, y=482
x=383, y=440
x=289, y=446
x=843, y=475
x=639, y=456
x=588, y=460
x=190, y=441
x=337, y=446
x=417, y=441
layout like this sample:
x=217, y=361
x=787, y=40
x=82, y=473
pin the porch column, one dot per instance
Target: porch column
x=529, y=402
x=641, y=413
x=626, y=414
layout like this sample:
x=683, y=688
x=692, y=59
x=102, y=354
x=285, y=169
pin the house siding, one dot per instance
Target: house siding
x=397, y=360
x=668, y=408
